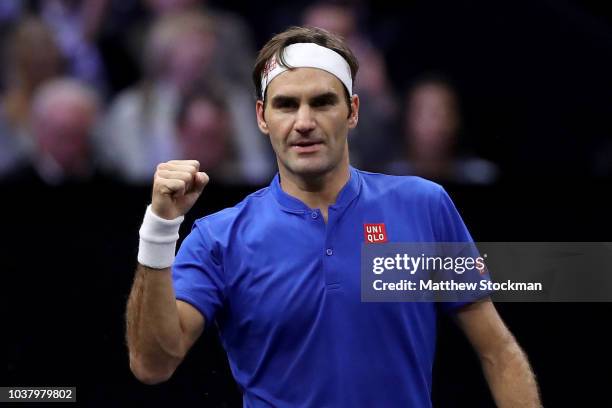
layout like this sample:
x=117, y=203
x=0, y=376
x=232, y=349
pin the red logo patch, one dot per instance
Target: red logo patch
x=374, y=233
x=270, y=65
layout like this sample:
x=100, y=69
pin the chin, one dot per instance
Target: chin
x=311, y=168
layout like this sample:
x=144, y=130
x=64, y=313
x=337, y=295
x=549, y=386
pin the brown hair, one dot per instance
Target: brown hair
x=206, y=90
x=279, y=42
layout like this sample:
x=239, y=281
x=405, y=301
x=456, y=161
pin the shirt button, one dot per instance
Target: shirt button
x=314, y=215
x=329, y=252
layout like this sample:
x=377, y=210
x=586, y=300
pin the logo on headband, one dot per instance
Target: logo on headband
x=270, y=65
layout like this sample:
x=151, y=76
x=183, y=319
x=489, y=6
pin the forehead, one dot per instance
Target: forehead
x=304, y=81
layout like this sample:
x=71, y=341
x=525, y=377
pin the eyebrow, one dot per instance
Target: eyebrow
x=280, y=100
x=325, y=98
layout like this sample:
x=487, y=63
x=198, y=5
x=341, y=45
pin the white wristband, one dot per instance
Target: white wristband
x=158, y=238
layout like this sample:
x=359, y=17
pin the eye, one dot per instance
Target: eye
x=324, y=101
x=285, y=104
x=320, y=103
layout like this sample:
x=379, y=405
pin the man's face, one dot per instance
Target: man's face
x=190, y=58
x=432, y=120
x=307, y=119
x=203, y=134
x=63, y=133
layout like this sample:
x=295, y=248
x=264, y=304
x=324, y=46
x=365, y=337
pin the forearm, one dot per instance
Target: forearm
x=158, y=333
x=510, y=377
x=154, y=333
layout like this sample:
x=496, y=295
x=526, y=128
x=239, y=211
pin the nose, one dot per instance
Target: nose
x=304, y=121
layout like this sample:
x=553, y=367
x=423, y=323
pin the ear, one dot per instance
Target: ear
x=354, y=118
x=261, y=120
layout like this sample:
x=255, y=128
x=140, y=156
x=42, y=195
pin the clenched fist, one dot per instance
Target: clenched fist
x=176, y=187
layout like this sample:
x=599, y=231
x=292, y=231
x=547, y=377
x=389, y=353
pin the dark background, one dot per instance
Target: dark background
x=70, y=265
x=535, y=82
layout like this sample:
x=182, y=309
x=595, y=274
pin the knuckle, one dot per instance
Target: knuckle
x=181, y=175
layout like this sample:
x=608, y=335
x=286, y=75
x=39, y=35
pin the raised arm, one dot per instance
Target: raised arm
x=505, y=365
x=160, y=330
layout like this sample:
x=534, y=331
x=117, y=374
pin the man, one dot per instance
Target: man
x=279, y=272
x=63, y=118
x=205, y=133
x=432, y=129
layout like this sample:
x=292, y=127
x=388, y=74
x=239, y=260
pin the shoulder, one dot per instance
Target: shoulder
x=130, y=101
x=126, y=98
x=221, y=223
x=402, y=186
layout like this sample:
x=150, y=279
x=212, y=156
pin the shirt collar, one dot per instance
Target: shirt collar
x=347, y=194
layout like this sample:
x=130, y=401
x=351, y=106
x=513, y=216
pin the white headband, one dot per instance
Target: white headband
x=308, y=55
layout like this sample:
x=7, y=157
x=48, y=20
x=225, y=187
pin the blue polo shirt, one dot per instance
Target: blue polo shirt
x=284, y=290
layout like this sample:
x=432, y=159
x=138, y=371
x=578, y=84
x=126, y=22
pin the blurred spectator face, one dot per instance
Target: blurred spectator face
x=431, y=120
x=34, y=55
x=190, y=58
x=62, y=123
x=204, y=134
x=180, y=48
x=334, y=18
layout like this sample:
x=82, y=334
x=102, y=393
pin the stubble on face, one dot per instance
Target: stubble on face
x=306, y=117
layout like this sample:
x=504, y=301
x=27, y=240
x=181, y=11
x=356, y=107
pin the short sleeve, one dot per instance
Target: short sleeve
x=451, y=228
x=197, y=273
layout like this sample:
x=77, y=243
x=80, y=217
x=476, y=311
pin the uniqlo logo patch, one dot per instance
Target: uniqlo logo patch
x=374, y=233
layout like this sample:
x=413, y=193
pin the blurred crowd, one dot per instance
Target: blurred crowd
x=102, y=89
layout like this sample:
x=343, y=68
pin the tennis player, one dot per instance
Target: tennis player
x=279, y=273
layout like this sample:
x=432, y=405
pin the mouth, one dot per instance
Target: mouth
x=306, y=146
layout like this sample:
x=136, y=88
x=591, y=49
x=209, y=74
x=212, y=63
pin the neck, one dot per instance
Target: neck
x=316, y=191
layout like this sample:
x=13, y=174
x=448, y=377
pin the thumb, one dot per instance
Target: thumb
x=201, y=180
